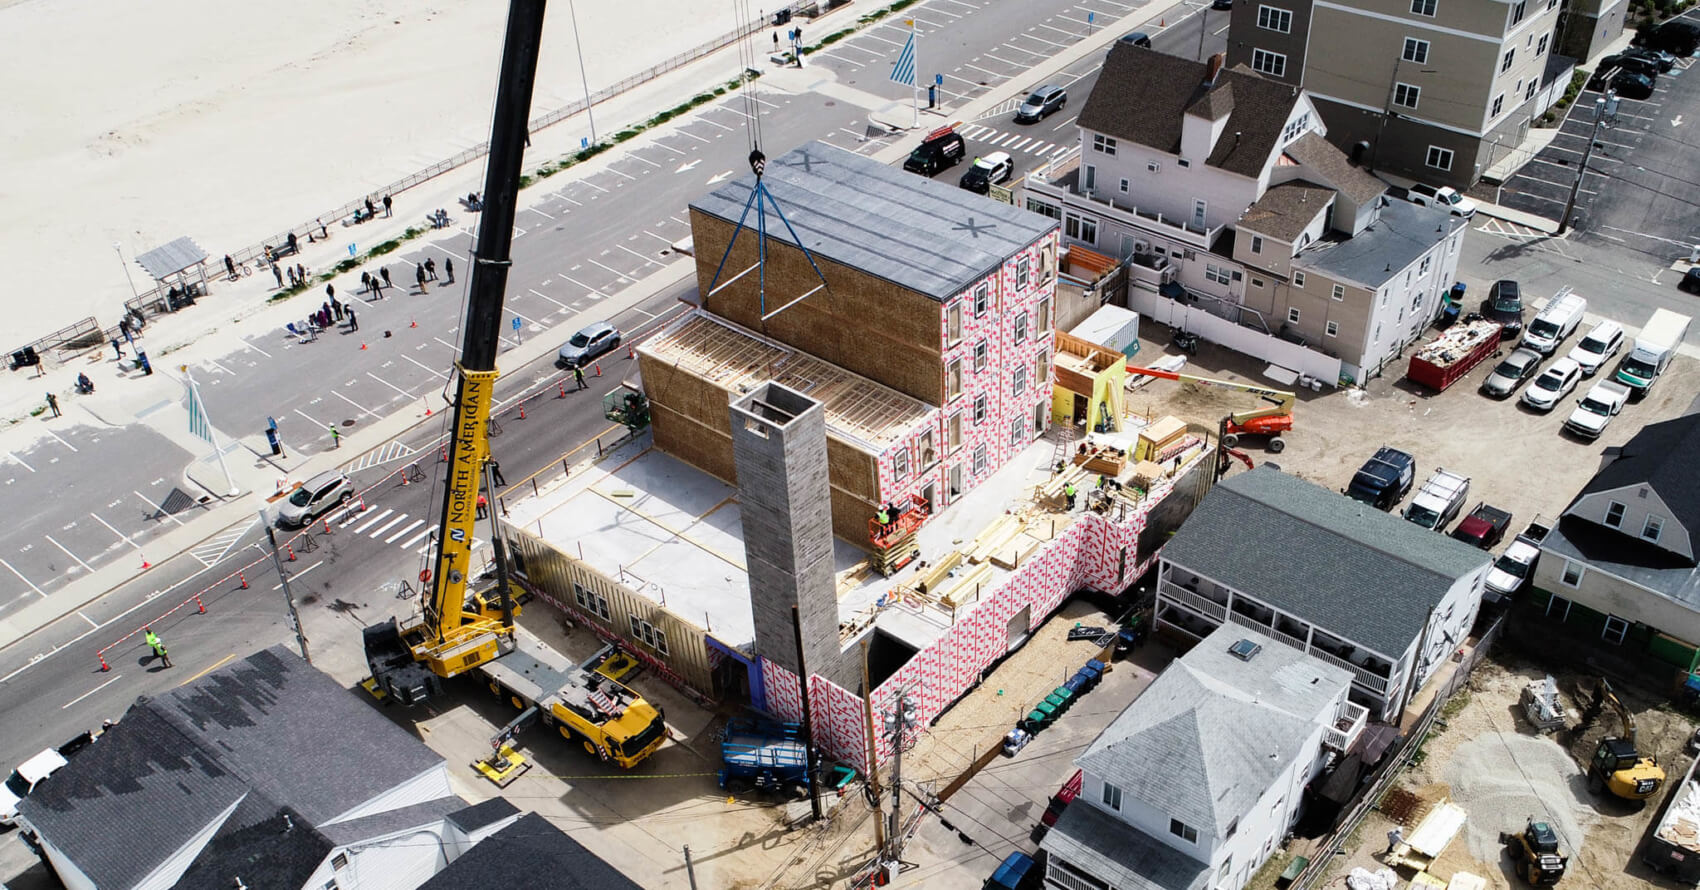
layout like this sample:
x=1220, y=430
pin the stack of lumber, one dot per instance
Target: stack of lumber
x=994, y=536
x=964, y=588
x=1159, y=436
x=1051, y=493
x=1017, y=549
x=934, y=575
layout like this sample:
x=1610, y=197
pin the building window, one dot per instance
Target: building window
x=1498, y=104
x=1298, y=279
x=1422, y=269
x=1257, y=244
x=1423, y=7
x=1044, y=316
x=1573, y=572
x=953, y=324
x=1406, y=96
x=1614, y=514
x=1505, y=63
x=1416, y=51
x=1266, y=62
x=1541, y=48
x=1018, y=431
x=1271, y=19
x=982, y=299
x=1112, y=797
x=900, y=464
x=1124, y=185
x=981, y=350
x=648, y=634
x=1558, y=607
x=1044, y=208
x=1081, y=228
x=1293, y=314
x=1339, y=292
x=953, y=379
x=1295, y=128
x=1651, y=530
x=1022, y=271
x=1530, y=92
x=1257, y=282
x=1104, y=144
x=1184, y=163
x=1377, y=337
x=1089, y=180
x=956, y=431
x=1018, y=383
x=979, y=408
x=339, y=861
x=979, y=459
x=1439, y=158
x=1183, y=831
x=1518, y=10
x=1333, y=329
x=1042, y=368
x=590, y=601
x=1020, y=336
x=1614, y=630
x=1218, y=274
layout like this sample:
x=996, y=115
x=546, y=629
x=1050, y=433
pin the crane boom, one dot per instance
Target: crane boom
x=453, y=635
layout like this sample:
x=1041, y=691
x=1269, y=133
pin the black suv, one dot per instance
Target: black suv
x=942, y=150
x=1504, y=304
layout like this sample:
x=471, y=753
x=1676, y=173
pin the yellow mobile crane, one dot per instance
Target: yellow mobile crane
x=460, y=631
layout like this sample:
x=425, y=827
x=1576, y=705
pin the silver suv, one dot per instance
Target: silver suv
x=315, y=498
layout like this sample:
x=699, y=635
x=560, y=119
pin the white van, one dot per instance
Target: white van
x=1555, y=322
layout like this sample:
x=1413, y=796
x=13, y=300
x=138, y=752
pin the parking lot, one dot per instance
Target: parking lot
x=1639, y=192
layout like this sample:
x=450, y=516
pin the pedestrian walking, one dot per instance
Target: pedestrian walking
x=124, y=328
x=294, y=243
x=449, y=269
x=278, y=274
x=301, y=274
x=53, y=404
x=330, y=291
x=386, y=206
x=431, y=268
x=483, y=507
x=419, y=276
x=336, y=437
x=321, y=221
x=336, y=306
x=384, y=273
x=325, y=310
x=353, y=323
x=293, y=281
x=230, y=266
x=578, y=377
x=117, y=348
x=371, y=210
x=496, y=472
x=366, y=281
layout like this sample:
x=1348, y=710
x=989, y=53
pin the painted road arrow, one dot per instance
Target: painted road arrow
x=719, y=176
x=687, y=165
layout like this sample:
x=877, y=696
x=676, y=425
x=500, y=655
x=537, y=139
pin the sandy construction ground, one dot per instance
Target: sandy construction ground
x=136, y=123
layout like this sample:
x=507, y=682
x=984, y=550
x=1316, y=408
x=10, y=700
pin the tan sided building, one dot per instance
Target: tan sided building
x=1433, y=90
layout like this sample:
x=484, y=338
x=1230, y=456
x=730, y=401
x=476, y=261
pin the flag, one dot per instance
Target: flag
x=904, y=71
x=198, y=423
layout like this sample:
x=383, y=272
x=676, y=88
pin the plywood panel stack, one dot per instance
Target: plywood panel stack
x=994, y=536
x=1159, y=436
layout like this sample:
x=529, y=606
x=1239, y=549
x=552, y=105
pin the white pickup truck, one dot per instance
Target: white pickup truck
x=1595, y=410
x=1439, y=501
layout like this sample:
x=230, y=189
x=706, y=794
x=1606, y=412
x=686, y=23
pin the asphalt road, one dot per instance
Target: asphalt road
x=592, y=236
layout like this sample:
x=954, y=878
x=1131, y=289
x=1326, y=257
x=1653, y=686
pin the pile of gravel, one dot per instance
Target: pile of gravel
x=1503, y=778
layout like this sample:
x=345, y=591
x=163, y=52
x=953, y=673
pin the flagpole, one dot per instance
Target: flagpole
x=196, y=405
x=915, y=81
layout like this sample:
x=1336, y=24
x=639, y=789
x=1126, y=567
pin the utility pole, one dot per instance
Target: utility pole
x=873, y=752
x=288, y=597
x=588, y=114
x=808, y=716
x=1582, y=169
x=898, y=722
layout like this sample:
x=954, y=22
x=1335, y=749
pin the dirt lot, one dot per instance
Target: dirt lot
x=1490, y=761
x=1517, y=459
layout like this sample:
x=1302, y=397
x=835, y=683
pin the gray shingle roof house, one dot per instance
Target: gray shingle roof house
x=1176, y=789
x=1622, y=559
x=1362, y=589
x=266, y=760
x=530, y=853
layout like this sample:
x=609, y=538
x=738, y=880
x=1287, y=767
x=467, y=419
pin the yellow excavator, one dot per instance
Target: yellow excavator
x=459, y=630
x=1617, y=765
x=1271, y=421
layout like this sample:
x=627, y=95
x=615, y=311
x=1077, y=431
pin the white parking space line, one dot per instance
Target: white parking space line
x=428, y=369
x=355, y=404
x=665, y=241
x=1031, y=36
x=256, y=349
x=20, y=461
x=297, y=575
x=1036, y=55
x=89, y=620
x=883, y=40
x=684, y=132
x=387, y=526
x=392, y=385
x=68, y=553
x=637, y=157
x=115, y=678
x=638, y=255
x=114, y=531
x=397, y=536
x=310, y=419
x=1058, y=30
x=618, y=173
x=157, y=507
x=1016, y=65
x=61, y=441
x=985, y=70
x=714, y=124
x=968, y=6
x=21, y=577
x=609, y=268
x=538, y=212
x=374, y=519
x=1081, y=22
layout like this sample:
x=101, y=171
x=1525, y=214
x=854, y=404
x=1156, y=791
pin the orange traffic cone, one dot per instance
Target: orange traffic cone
x=145, y=564
x=362, y=344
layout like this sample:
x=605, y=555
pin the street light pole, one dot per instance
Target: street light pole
x=120, y=248
x=573, y=14
x=288, y=597
x=1582, y=168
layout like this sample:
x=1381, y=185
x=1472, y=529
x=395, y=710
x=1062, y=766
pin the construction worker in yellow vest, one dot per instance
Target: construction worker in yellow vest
x=158, y=647
x=1068, y=492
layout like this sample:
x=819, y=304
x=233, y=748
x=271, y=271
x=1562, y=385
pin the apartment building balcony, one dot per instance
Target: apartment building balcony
x=1060, y=180
x=1347, y=727
x=1376, y=682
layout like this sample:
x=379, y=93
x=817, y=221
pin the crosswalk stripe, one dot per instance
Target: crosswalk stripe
x=1060, y=150
x=386, y=526
x=373, y=521
x=974, y=131
x=417, y=538
x=397, y=536
x=1008, y=139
